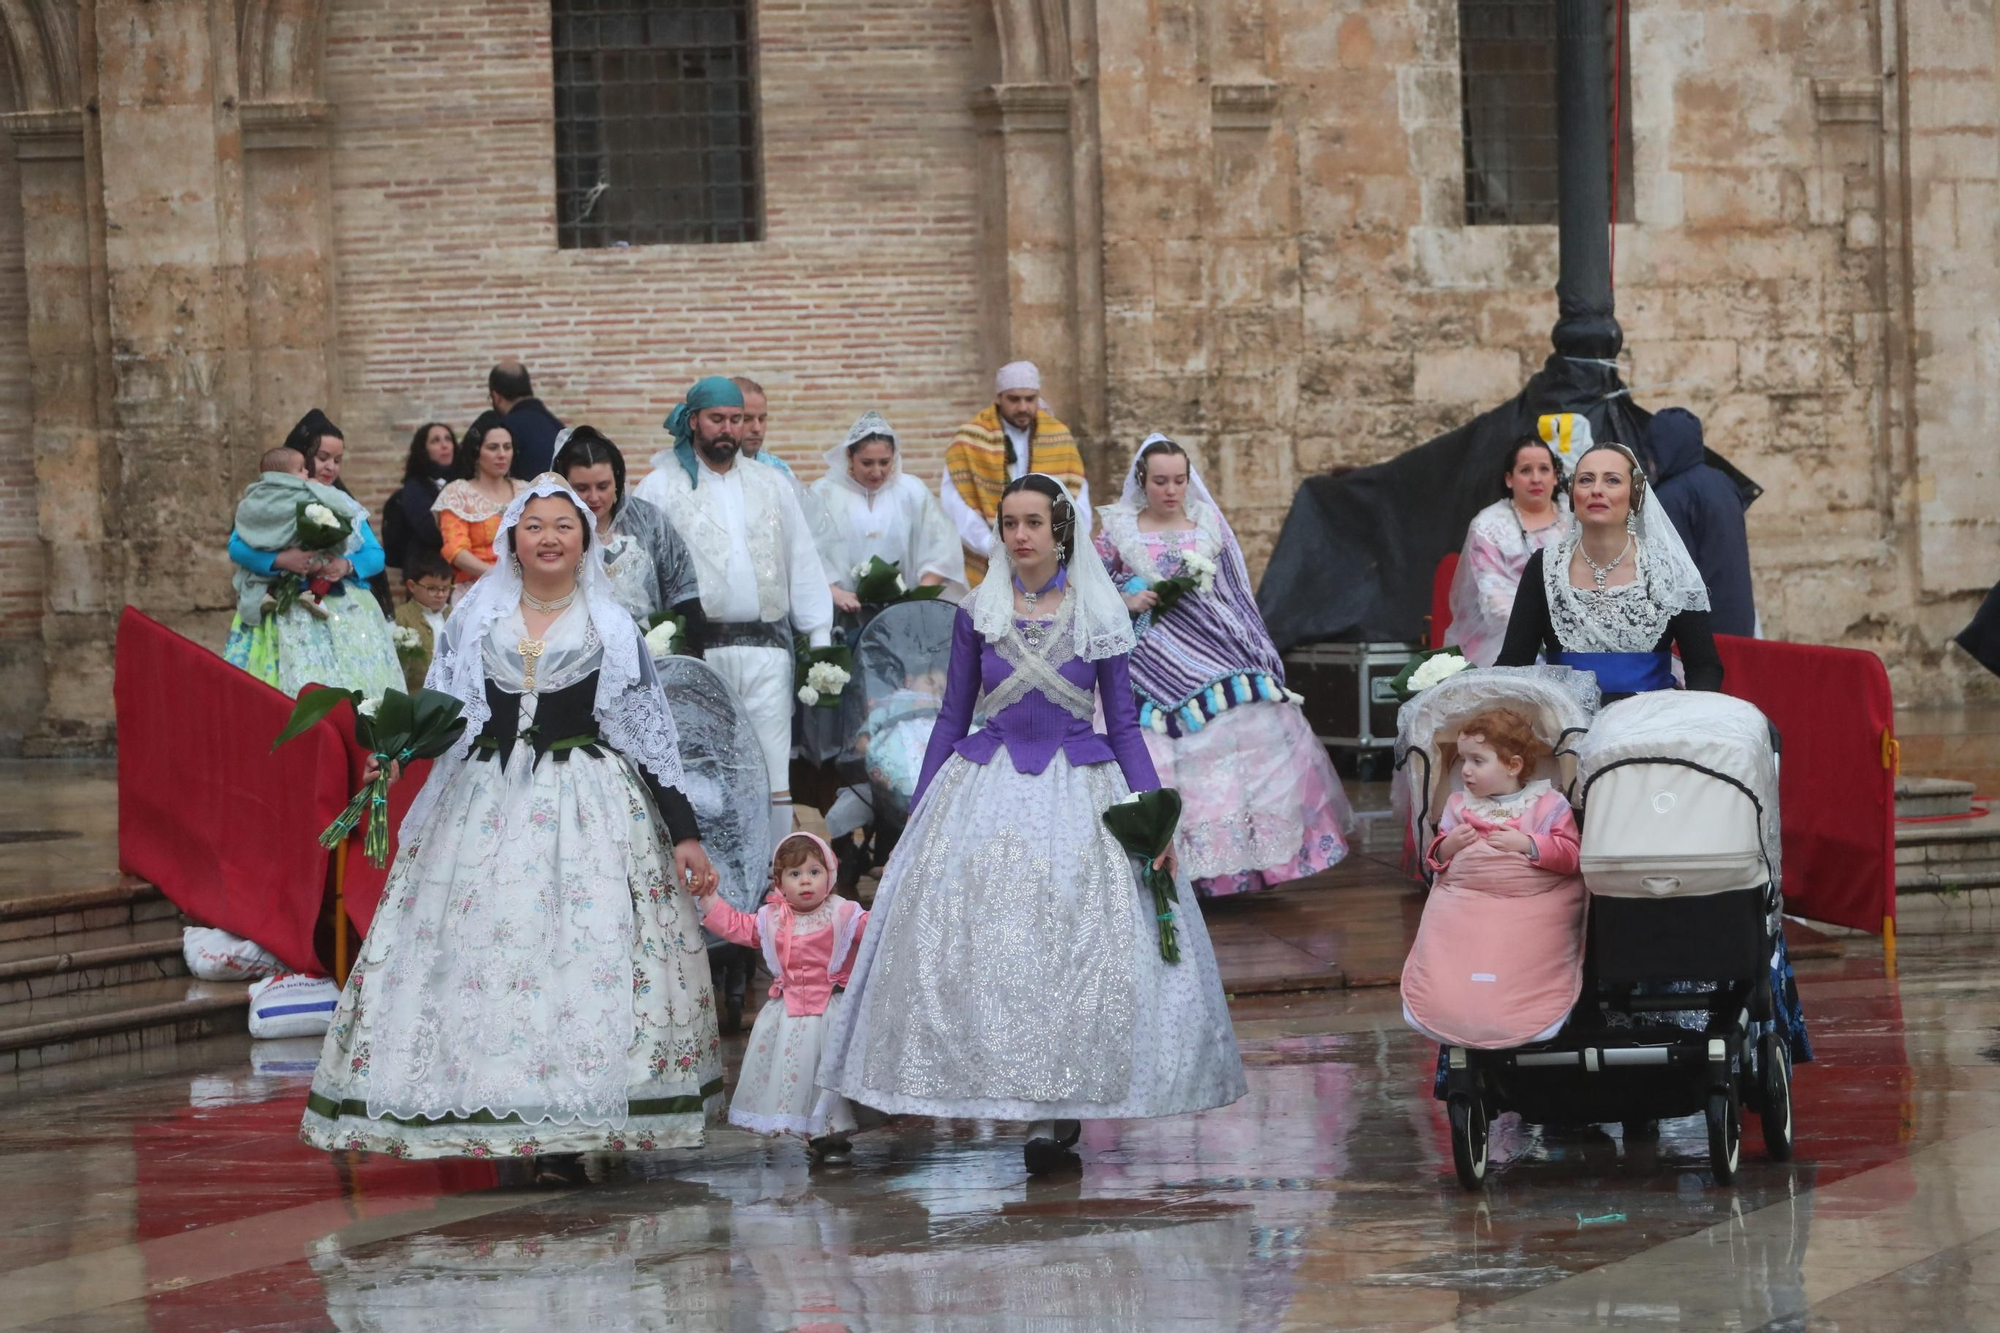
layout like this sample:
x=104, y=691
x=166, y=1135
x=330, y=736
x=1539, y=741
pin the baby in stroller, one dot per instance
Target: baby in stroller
x=1498, y=959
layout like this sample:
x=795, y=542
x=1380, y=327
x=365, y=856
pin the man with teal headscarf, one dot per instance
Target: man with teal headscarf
x=760, y=574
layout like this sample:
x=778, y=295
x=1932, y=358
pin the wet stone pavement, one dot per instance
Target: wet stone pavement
x=173, y=1195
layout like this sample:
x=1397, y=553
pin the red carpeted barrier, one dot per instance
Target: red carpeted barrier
x=225, y=825
x=1441, y=598
x=1837, y=777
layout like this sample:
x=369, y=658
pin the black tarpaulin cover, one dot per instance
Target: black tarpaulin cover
x=1355, y=558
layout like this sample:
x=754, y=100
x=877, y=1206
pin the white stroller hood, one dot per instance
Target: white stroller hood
x=1679, y=790
x=1558, y=702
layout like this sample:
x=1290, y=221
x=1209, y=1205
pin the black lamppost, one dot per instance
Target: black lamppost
x=1585, y=327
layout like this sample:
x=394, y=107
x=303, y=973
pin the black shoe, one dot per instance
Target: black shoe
x=1068, y=1132
x=1046, y=1157
x=853, y=858
x=830, y=1150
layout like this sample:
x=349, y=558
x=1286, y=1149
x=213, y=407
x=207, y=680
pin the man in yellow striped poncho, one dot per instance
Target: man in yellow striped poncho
x=1015, y=436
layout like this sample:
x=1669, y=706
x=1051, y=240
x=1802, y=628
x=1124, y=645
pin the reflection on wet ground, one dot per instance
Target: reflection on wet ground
x=175, y=1197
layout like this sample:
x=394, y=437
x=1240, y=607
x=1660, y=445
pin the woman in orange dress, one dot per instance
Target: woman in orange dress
x=468, y=512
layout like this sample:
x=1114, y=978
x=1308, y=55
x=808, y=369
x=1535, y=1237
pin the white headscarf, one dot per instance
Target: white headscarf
x=1017, y=375
x=1633, y=617
x=1101, y=623
x=630, y=709
x=1134, y=493
x=868, y=426
x=1121, y=521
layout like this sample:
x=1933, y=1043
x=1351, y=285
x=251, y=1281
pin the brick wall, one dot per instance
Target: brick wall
x=862, y=296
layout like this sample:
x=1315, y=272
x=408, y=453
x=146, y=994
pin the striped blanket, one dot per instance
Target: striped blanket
x=976, y=462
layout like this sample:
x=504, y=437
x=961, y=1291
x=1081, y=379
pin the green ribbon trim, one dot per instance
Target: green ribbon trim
x=328, y=1109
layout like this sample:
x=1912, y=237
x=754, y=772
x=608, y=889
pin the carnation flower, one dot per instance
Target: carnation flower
x=321, y=515
x=406, y=637
x=808, y=696
x=1130, y=798
x=1443, y=666
x=660, y=638
x=368, y=707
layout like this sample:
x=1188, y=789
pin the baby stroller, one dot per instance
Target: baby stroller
x=900, y=661
x=1680, y=856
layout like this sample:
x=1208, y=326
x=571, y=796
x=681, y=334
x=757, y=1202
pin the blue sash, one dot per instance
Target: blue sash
x=1622, y=673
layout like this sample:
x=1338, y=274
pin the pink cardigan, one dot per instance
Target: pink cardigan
x=805, y=969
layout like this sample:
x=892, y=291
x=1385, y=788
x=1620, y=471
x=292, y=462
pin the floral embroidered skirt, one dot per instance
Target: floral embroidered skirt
x=534, y=981
x=1261, y=804
x=1011, y=969
x=350, y=649
x=777, y=1090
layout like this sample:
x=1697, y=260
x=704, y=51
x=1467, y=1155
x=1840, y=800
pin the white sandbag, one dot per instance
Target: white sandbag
x=217, y=955
x=293, y=1005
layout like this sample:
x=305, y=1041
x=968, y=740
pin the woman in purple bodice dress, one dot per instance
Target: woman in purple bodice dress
x=1012, y=966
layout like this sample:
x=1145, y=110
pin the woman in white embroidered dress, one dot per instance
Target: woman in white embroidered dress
x=1261, y=803
x=534, y=983
x=878, y=510
x=1533, y=515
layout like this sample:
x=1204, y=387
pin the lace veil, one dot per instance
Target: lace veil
x=1102, y=625
x=1632, y=618
x=1121, y=520
x=630, y=709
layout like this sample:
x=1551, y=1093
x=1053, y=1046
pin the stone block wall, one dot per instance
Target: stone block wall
x=1290, y=285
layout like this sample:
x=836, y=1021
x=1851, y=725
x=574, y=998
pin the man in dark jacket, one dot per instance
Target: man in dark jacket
x=1707, y=511
x=533, y=426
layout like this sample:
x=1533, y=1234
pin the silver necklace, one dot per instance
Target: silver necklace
x=534, y=603
x=1603, y=572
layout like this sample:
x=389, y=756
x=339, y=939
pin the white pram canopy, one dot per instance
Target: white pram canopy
x=1558, y=702
x=1724, y=739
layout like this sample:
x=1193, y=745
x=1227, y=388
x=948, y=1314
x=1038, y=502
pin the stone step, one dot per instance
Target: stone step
x=1951, y=854
x=97, y=972
x=1929, y=797
x=38, y=925
x=118, y=1020
x=117, y=964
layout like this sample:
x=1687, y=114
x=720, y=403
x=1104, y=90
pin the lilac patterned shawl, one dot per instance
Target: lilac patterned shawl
x=1209, y=636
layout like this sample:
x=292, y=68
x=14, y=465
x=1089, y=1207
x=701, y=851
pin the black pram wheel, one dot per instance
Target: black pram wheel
x=1725, y=1134
x=1468, y=1139
x=1774, y=1105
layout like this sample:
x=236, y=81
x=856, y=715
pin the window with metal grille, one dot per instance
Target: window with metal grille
x=656, y=123
x=1507, y=64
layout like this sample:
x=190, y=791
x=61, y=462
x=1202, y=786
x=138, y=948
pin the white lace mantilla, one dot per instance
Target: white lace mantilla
x=1630, y=617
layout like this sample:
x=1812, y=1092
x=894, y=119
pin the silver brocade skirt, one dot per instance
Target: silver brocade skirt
x=1011, y=967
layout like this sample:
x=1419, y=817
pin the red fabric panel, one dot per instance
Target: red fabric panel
x=1441, y=598
x=1832, y=708
x=225, y=825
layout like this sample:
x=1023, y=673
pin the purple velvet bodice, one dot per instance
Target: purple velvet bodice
x=1034, y=728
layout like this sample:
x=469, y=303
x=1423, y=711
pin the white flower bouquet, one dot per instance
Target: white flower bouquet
x=880, y=583
x=1426, y=670
x=317, y=529
x=1197, y=575
x=822, y=674
x=664, y=635
x=408, y=642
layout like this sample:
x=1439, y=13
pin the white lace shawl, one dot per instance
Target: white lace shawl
x=1629, y=618
x=1100, y=627
x=630, y=709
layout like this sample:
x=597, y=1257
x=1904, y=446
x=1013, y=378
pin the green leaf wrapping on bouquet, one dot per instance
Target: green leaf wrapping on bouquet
x=1170, y=591
x=398, y=729
x=313, y=705
x=879, y=583
x=1144, y=825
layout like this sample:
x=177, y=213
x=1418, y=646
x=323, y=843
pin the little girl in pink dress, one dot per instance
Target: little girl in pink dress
x=808, y=935
x=1498, y=959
